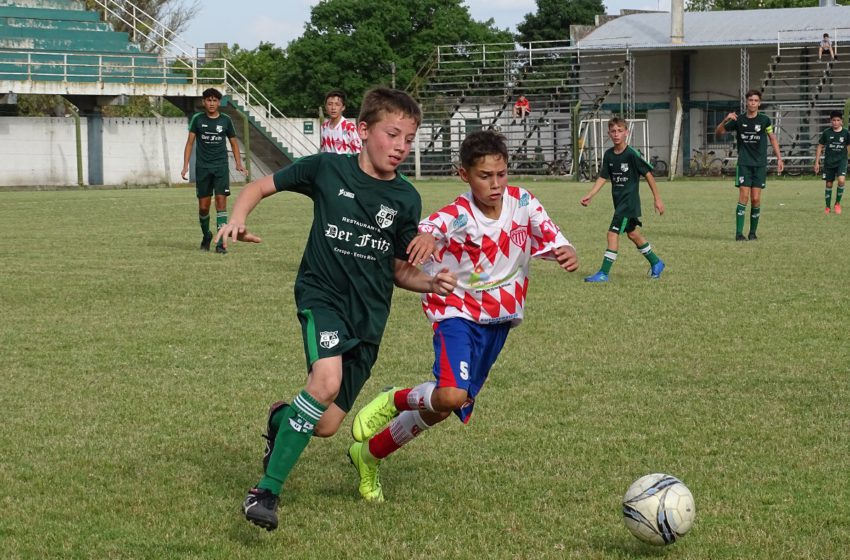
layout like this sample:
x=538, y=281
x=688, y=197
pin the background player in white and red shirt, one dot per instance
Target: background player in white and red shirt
x=487, y=238
x=338, y=134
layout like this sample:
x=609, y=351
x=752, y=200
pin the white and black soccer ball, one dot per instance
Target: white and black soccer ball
x=658, y=509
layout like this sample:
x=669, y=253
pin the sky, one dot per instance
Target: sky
x=249, y=22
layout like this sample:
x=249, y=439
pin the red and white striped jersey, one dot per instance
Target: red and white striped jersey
x=340, y=139
x=489, y=256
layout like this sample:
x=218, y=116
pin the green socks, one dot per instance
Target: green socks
x=828, y=196
x=295, y=428
x=205, y=223
x=608, y=261
x=739, y=218
x=839, y=194
x=220, y=219
x=646, y=251
x=754, y=219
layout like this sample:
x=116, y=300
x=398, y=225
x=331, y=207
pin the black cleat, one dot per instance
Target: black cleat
x=220, y=249
x=271, y=432
x=260, y=508
x=752, y=236
x=740, y=237
x=205, y=242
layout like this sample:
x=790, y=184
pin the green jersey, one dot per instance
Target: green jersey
x=752, y=138
x=210, y=135
x=624, y=170
x=835, y=146
x=360, y=226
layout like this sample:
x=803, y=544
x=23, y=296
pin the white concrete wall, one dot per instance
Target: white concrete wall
x=40, y=151
x=143, y=151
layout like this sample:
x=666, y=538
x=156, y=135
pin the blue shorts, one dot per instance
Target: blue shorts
x=464, y=352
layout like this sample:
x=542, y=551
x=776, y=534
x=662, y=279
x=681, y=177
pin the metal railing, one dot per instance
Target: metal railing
x=100, y=68
x=258, y=106
x=151, y=29
x=202, y=71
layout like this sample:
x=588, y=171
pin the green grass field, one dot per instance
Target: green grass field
x=136, y=372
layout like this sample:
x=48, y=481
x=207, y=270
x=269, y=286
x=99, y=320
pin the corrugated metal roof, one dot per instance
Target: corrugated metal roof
x=729, y=28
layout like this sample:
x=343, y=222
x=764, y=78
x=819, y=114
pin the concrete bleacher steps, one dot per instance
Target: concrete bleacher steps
x=799, y=91
x=264, y=143
x=457, y=97
x=47, y=46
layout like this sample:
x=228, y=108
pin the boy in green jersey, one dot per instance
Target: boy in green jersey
x=753, y=130
x=834, y=143
x=212, y=175
x=624, y=167
x=365, y=215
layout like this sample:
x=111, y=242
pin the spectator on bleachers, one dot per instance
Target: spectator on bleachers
x=522, y=107
x=826, y=45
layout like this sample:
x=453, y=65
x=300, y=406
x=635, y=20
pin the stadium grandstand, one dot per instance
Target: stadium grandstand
x=665, y=76
x=58, y=47
x=674, y=75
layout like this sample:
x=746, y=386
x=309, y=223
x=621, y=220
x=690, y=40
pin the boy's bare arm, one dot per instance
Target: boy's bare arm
x=187, y=153
x=596, y=186
x=650, y=180
x=818, y=152
x=721, y=128
x=567, y=257
x=780, y=165
x=237, y=157
x=248, y=199
x=411, y=278
x=421, y=248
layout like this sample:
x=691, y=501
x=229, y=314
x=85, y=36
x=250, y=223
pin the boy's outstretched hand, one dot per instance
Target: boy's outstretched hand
x=443, y=283
x=566, y=257
x=235, y=232
x=421, y=248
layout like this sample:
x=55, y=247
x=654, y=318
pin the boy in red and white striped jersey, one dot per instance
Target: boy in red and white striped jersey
x=487, y=238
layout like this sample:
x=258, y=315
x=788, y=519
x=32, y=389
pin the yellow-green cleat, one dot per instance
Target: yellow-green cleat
x=375, y=415
x=370, y=482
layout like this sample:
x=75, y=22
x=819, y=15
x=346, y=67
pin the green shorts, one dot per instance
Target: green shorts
x=621, y=224
x=326, y=335
x=212, y=180
x=754, y=176
x=830, y=173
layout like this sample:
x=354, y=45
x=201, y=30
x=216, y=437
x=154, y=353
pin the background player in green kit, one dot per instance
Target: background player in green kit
x=365, y=215
x=624, y=167
x=212, y=174
x=834, y=143
x=753, y=130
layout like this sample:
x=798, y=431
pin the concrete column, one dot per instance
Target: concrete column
x=94, y=129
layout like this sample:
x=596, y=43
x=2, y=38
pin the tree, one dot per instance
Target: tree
x=354, y=45
x=554, y=17
x=172, y=15
x=722, y=5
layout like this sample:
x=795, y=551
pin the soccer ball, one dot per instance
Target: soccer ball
x=658, y=509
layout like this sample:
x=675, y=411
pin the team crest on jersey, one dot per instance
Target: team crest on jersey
x=328, y=339
x=385, y=216
x=459, y=222
x=218, y=128
x=758, y=128
x=524, y=199
x=624, y=167
x=519, y=236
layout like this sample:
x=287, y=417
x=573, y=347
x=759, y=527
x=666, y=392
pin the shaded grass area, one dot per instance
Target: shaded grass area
x=137, y=372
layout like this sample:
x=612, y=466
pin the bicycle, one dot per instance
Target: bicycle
x=704, y=163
